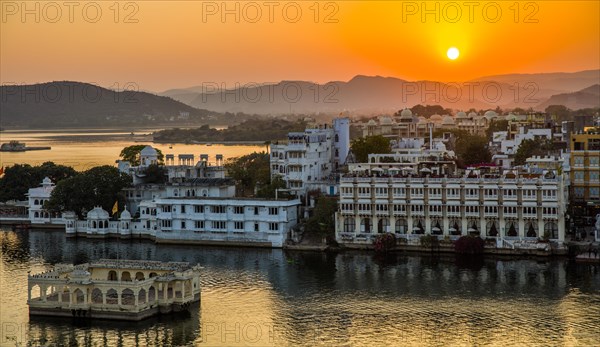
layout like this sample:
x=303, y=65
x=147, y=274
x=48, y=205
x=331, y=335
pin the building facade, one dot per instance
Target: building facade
x=503, y=207
x=307, y=160
x=585, y=172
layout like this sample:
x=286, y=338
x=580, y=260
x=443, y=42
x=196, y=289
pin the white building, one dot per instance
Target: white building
x=307, y=160
x=227, y=221
x=507, y=144
x=508, y=208
x=36, y=197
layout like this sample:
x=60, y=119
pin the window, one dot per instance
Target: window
x=182, y=224
x=273, y=226
x=349, y=225
x=594, y=192
x=219, y=225
x=578, y=161
x=182, y=208
x=198, y=208
x=239, y=225
x=594, y=177
x=238, y=210
x=273, y=211
x=166, y=208
x=578, y=175
x=255, y=226
x=256, y=210
x=165, y=223
x=199, y=224
x=218, y=209
x=579, y=191
x=594, y=161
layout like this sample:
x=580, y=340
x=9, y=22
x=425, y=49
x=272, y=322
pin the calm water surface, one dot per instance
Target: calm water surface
x=84, y=149
x=264, y=297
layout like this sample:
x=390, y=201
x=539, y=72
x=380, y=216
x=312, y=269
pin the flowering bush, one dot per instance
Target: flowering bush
x=384, y=242
x=469, y=245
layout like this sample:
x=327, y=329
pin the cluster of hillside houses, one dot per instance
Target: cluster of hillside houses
x=416, y=189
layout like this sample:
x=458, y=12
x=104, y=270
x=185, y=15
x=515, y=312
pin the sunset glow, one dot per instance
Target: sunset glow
x=452, y=53
x=160, y=46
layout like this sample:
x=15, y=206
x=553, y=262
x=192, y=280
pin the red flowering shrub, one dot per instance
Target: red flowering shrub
x=469, y=245
x=384, y=242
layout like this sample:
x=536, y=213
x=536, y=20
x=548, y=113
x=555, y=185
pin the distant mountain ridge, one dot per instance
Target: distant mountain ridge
x=586, y=98
x=369, y=94
x=76, y=104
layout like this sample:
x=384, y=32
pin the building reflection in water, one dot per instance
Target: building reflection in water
x=263, y=297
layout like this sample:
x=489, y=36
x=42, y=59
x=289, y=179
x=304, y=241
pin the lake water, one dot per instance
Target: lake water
x=84, y=149
x=265, y=297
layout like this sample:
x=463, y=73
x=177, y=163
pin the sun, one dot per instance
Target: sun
x=452, y=53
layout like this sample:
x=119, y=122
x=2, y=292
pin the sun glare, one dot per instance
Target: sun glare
x=452, y=53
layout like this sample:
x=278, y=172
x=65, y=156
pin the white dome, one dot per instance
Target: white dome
x=371, y=122
x=125, y=214
x=97, y=213
x=406, y=113
x=148, y=151
x=461, y=115
x=490, y=113
x=448, y=121
x=385, y=120
x=422, y=119
x=46, y=181
x=436, y=118
x=472, y=114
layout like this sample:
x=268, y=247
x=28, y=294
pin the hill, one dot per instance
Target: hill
x=75, y=104
x=586, y=98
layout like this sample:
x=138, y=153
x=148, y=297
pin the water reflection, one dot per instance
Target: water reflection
x=263, y=297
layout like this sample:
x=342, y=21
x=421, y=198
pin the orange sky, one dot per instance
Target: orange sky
x=185, y=43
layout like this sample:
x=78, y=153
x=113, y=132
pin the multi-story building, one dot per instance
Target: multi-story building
x=36, y=197
x=307, y=160
x=506, y=143
x=201, y=220
x=507, y=207
x=585, y=172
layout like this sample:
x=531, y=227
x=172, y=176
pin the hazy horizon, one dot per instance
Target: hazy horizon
x=160, y=47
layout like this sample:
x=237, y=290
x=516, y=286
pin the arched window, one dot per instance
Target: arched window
x=512, y=229
x=418, y=226
x=531, y=229
x=36, y=214
x=78, y=296
x=472, y=226
x=491, y=228
x=551, y=230
x=175, y=192
x=337, y=138
x=349, y=225
x=112, y=275
x=112, y=297
x=436, y=227
x=454, y=227
x=401, y=226
x=139, y=276
x=382, y=225
x=96, y=296
x=365, y=225
x=127, y=297
x=126, y=276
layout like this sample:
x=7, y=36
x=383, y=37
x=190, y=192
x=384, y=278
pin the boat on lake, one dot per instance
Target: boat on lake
x=16, y=146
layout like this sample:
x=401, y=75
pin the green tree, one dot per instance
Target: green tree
x=155, y=174
x=496, y=125
x=100, y=185
x=322, y=222
x=531, y=147
x=268, y=190
x=364, y=146
x=132, y=154
x=248, y=170
x=472, y=149
x=561, y=112
x=19, y=178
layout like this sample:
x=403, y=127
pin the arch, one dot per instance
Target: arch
x=383, y=225
x=112, y=275
x=126, y=276
x=36, y=214
x=365, y=225
x=139, y=276
x=152, y=274
x=491, y=228
x=512, y=229
x=551, y=230
x=170, y=291
x=436, y=227
x=204, y=192
x=36, y=202
x=176, y=192
x=455, y=227
x=112, y=297
x=401, y=226
x=51, y=294
x=127, y=297
x=142, y=296
x=472, y=226
x=64, y=293
x=96, y=296
x=531, y=229
x=78, y=297
x=36, y=291
x=188, y=193
x=418, y=226
x=94, y=224
x=151, y=294
x=349, y=225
